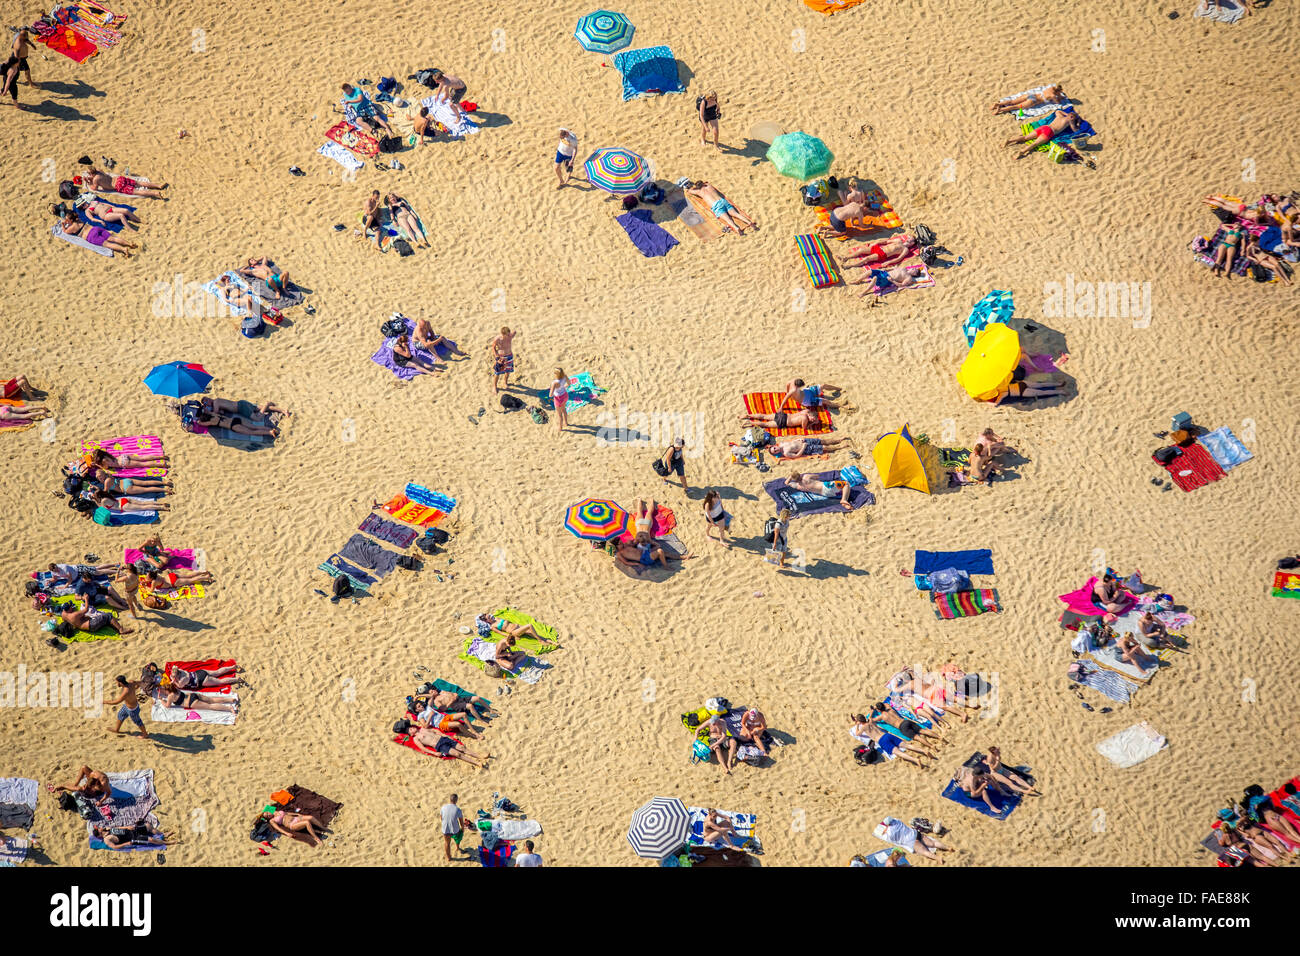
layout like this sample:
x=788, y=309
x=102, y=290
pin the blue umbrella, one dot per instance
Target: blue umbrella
x=177, y=379
x=800, y=156
x=604, y=31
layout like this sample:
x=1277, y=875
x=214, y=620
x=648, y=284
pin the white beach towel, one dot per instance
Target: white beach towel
x=895, y=831
x=1037, y=110
x=1224, y=11
x=13, y=850
x=57, y=230
x=442, y=112
x=160, y=713
x=1130, y=747
x=344, y=157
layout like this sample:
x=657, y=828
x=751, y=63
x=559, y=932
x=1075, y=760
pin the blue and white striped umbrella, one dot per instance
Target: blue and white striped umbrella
x=659, y=827
x=604, y=31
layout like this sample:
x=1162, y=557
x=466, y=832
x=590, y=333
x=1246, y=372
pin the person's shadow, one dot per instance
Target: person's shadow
x=200, y=743
x=79, y=90
x=753, y=149
x=49, y=110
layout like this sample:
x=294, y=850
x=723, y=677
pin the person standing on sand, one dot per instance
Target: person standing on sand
x=502, y=347
x=129, y=698
x=453, y=825
x=709, y=114
x=559, y=393
x=565, y=153
x=21, y=49
x=9, y=81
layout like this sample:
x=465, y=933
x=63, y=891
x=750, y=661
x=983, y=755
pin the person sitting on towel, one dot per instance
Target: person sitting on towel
x=430, y=741
x=449, y=702
x=993, y=443
x=405, y=358
x=981, y=467
x=793, y=448
x=826, y=489
x=88, y=618
x=994, y=767
x=92, y=784
x=1152, y=632
x=506, y=658
x=1111, y=596
x=1134, y=653
x=721, y=742
x=719, y=829
x=847, y=212
x=977, y=785
x=425, y=338
x=753, y=728
x=359, y=110
x=804, y=418
x=431, y=719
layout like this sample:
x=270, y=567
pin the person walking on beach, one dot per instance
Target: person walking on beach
x=453, y=825
x=709, y=114
x=129, y=698
x=502, y=346
x=565, y=153
x=9, y=81
x=674, y=461
x=559, y=393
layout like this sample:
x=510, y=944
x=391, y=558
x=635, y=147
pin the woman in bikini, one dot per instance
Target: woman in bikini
x=101, y=181
x=171, y=696
x=200, y=679
x=102, y=213
x=1028, y=101
x=287, y=824
x=401, y=215
x=1227, y=251
x=220, y=413
x=867, y=733
x=98, y=458
x=134, y=486
x=512, y=630
x=178, y=578
x=24, y=413
x=70, y=225
x=122, y=505
x=709, y=115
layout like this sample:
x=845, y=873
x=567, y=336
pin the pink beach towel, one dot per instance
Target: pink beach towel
x=1080, y=601
x=129, y=445
x=180, y=557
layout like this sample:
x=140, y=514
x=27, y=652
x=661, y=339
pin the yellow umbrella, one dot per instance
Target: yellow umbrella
x=988, y=367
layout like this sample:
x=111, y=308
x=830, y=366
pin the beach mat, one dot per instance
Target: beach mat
x=161, y=713
x=1286, y=584
x=583, y=391
x=1007, y=802
x=420, y=516
x=323, y=809
x=1108, y=683
x=57, y=231
x=699, y=221
x=1108, y=657
x=1131, y=746
x=1193, y=469
x=816, y=258
x=948, y=607
x=972, y=561
x=1225, y=448
x=802, y=503
x=765, y=403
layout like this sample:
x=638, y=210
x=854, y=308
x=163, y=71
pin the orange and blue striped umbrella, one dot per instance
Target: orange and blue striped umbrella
x=596, y=519
x=617, y=170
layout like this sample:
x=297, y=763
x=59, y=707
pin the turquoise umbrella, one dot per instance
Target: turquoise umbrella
x=800, y=156
x=604, y=31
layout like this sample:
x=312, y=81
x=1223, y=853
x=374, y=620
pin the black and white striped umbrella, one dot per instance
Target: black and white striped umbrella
x=659, y=827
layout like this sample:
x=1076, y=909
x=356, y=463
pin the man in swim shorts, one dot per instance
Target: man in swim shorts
x=1062, y=121
x=502, y=347
x=129, y=698
x=723, y=208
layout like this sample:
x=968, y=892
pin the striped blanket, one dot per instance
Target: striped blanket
x=948, y=607
x=765, y=403
x=816, y=259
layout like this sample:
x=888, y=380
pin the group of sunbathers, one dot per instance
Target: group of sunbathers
x=274, y=278
x=423, y=338
x=433, y=717
x=1265, y=233
x=98, y=485
x=1261, y=829
x=211, y=412
x=20, y=389
x=186, y=689
x=748, y=739
x=1063, y=120
x=507, y=656
x=642, y=551
x=85, y=213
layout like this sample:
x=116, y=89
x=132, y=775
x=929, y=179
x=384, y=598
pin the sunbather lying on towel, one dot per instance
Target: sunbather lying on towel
x=99, y=213
x=904, y=728
x=101, y=181
x=203, y=679
x=880, y=281
x=92, y=784
x=261, y=267
x=98, y=458
x=70, y=225
x=359, y=110
x=449, y=702
x=1016, y=389
x=122, y=505
x=168, y=580
x=642, y=552
x=510, y=629
x=142, y=834
x=1227, y=250
x=287, y=824
x=1028, y=101
x=238, y=298
x=171, y=696
x=432, y=742
x=793, y=448
x=425, y=338
x=812, y=396
x=722, y=207
x=133, y=486
x=401, y=215
x=1270, y=262
x=897, y=832
x=432, y=719
x=1004, y=775
x=25, y=413
x=890, y=746
x=826, y=489
x=222, y=413
x=878, y=253
x=1062, y=121
x=803, y=418
x=86, y=617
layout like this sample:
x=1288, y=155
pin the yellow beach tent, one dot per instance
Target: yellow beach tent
x=898, y=463
x=991, y=361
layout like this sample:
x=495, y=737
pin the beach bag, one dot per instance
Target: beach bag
x=700, y=752
x=866, y=756
x=1166, y=455
x=403, y=248
x=438, y=535
x=1259, y=273
x=102, y=516
x=392, y=328
x=252, y=327
x=66, y=802
x=390, y=144
x=409, y=562
x=67, y=188
x=86, y=808
x=949, y=581
x=386, y=84
x=427, y=545
x=924, y=235
x=815, y=193
x=492, y=669
x=342, y=587
x=510, y=403
x=72, y=485
x=660, y=468
x=652, y=193
x=769, y=530
x=1286, y=564
x=537, y=415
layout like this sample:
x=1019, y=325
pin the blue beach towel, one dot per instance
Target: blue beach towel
x=430, y=499
x=1225, y=448
x=652, y=239
x=975, y=561
x=648, y=71
x=1007, y=801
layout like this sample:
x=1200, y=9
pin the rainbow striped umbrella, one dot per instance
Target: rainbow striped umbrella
x=604, y=31
x=596, y=519
x=617, y=170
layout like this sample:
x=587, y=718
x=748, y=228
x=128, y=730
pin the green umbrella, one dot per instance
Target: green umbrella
x=800, y=156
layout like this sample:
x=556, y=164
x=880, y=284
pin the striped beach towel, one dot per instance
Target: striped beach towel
x=765, y=403
x=948, y=607
x=1115, y=686
x=817, y=260
x=404, y=509
x=1193, y=468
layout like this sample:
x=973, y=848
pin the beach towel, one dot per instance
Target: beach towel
x=1224, y=11
x=430, y=499
x=583, y=390
x=1115, y=686
x=973, y=561
x=13, y=850
x=150, y=821
x=803, y=503
x=57, y=230
x=1130, y=747
x=1036, y=110
x=133, y=799
x=895, y=831
x=1204, y=249
x=161, y=713
x=404, y=509
x=651, y=239
x=129, y=445
x=816, y=259
x=688, y=213
x=1286, y=584
x=248, y=411
x=103, y=37
x=176, y=557
x=884, y=217
x=500, y=855
x=880, y=857
x=345, y=158
x=1006, y=802
x=1225, y=448
x=830, y=7
x=370, y=555
x=765, y=403
x=333, y=567
x=261, y=288
x=388, y=531
x=1109, y=658
x=406, y=741
x=455, y=127
x=1192, y=469
x=17, y=802
x=924, y=281
x=744, y=823
x=1171, y=619
x=67, y=41
x=105, y=633
x=649, y=71
x=350, y=137
x=384, y=359
x=478, y=651
x=110, y=226
x=994, y=309
x=353, y=573
x=1080, y=601
x=323, y=809
x=948, y=607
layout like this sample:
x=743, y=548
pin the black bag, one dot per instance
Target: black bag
x=1223, y=215
x=390, y=144
x=867, y=756
x=438, y=535
x=409, y=562
x=427, y=545
x=660, y=468
x=1167, y=454
x=261, y=831
x=425, y=77
x=391, y=328
x=403, y=248
x=1286, y=564
x=68, y=189
x=342, y=587
x=1259, y=273
x=769, y=530
x=66, y=802
x=924, y=235
x=73, y=484
x=510, y=403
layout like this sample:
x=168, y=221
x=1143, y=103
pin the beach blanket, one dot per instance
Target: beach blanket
x=1130, y=747
x=457, y=127
x=1005, y=802
x=334, y=566
x=948, y=607
x=105, y=633
x=1036, y=110
x=1173, y=620
x=161, y=713
x=1193, y=469
x=212, y=289
x=973, y=561
x=210, y=664
x=1286, y=584
x=176, y=557
x=17, y=802
x=803, y=503
x=478, y=651
x=695, y=215
x=404, y=509
x=110, y=226
x=765, y=403
x=1109, y=658
x=350, y=137
x=388, y=531
x=1080, y=601
x=102, y=36
x=344, y=157
x=924, y=281
x=816, y=259
x=583, y=390
x=375, y=558
x=829, y=7
x=57, y=231
x=430, y=499
x=64, y=39
x=1222, y=11
x=1115, y=686
x=129, y=445
x=323, y=809
x=99, y=14
x=648, y=71
x=1204, y=249
x=13, y=850
x=1225, y=448
x=744, y=823
x=994, y=309
x=133, y=799
x=651, y=239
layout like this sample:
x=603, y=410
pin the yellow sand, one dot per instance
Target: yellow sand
x=684, y=334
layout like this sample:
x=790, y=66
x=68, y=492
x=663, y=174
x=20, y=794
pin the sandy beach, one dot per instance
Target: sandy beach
x=1183, y=108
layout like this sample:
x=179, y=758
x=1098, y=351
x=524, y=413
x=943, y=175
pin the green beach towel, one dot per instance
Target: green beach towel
x=105, y=633
x=531, y=645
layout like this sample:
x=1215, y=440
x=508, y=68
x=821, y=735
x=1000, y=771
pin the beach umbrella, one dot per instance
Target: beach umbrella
x=177, y=378
x=997, y=306
x=596, y=519
x=990, y=362
x=604, y=31
x=616, y=170
x=800, y=156
x=659, y=827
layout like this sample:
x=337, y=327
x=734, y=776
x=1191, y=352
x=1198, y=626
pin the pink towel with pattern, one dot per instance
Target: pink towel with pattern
x=180, y=557
x=130, y=445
